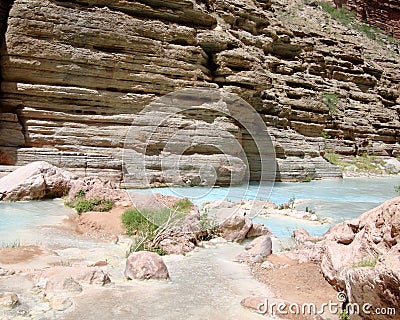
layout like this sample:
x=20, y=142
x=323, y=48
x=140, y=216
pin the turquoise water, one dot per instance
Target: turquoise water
x=336, y=200
x=20, y=221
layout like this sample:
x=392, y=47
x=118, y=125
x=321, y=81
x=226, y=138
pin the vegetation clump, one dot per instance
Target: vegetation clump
x=332, y=101
x=81, y=204
x=349, y=19
x=147, y=227
x=288, y=205
x=361, y=163
x=367, y=262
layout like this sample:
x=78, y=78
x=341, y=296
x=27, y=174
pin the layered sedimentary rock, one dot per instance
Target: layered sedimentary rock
x=384, y=15
x=77, y=74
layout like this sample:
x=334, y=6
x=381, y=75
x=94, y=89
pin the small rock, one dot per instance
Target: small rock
x=99, y=264
x=145, y=265
x=177, y=246
x=301, y=235
x=8, y=299
x=267, y=265
x=242, y=257
x=392, y=165
x=4, y=272
x=61, y=304
x=218, y=240
x=98, y=277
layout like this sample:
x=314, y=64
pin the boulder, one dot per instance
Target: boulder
x=257, y=230
x=261, y=246
x=60, y=279
x=362, y=256
x=95, y=188
x=235, y=227
x=177, y=245
x=256, y=251
x=35, y=181
x=392, y=165
x=301, y=235
x=145, y=265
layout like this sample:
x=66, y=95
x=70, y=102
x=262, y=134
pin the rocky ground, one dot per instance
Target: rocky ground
x=357, y=257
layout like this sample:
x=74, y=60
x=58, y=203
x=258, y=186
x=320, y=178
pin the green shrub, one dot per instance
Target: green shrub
x=332, y=158
x=325, y=135
x=105, y=205
x=308, y=178
x=342, y=15
x=288, y=205
x=397, y=189
x=208, y=227
x=80, y=204
x=367, y=262
x=344, y=315
x=370, y=31
x=349, y=19
x=310, y=210
x=183, y=206
x=80, y=194
x=331, y=100
x=134, y=221
x=147, y=226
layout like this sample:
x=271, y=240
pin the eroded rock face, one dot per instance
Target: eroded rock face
x=145, y=265
x=35, y=181
x=385, y=15
x=73, y=82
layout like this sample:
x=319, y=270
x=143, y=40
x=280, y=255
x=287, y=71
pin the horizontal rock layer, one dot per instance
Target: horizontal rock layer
x=77, y=74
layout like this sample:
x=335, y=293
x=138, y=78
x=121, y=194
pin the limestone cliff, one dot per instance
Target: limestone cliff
x=75, y=73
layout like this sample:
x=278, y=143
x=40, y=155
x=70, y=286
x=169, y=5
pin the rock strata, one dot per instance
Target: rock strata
x=384, y=15
x=72, y=85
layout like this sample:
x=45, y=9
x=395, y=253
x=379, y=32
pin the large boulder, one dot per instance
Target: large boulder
x=362, y=257
x=145, y=265
x=35, y=181
x=236, y=227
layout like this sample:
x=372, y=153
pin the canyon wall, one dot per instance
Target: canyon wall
x=384, y=14
x=77, y=73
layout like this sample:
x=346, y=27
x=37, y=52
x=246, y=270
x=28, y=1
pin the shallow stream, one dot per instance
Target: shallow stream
x=336, y=200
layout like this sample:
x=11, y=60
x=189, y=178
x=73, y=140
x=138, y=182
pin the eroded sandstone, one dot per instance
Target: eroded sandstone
x=72, y=83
